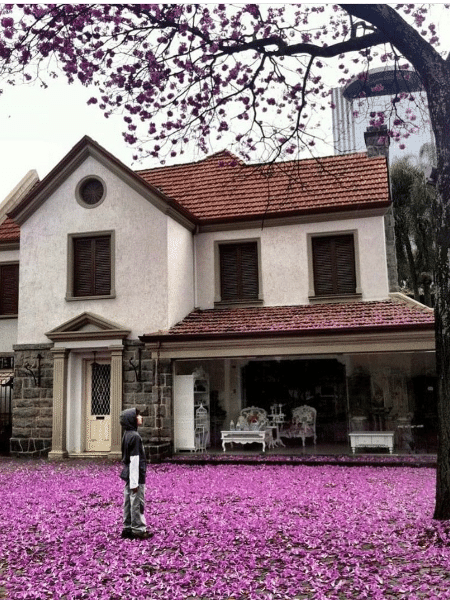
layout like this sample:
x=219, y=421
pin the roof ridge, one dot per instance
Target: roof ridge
x=315, y=159
x=258, y=165
x=224, y=151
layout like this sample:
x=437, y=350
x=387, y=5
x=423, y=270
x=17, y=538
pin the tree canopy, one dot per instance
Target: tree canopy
x=252, y=75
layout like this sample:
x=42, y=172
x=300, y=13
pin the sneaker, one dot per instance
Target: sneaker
x=141, y=535
x=127, y=534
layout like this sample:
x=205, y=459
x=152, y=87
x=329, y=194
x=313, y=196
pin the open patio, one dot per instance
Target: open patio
x=331, y=454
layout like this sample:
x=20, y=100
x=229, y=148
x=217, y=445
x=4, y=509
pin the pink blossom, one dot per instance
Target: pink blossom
x=258, y=531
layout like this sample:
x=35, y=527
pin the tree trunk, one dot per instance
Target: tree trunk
x=435, y=74
x=427, y=294
x=438, y=91
x=412, y=266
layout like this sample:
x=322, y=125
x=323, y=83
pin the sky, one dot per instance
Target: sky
x=38, y=127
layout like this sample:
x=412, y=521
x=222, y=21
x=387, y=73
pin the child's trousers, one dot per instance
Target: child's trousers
x=133, y=509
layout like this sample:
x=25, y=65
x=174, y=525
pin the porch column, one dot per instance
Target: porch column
x=231, y=409
x=116, y=401
x=58, y=450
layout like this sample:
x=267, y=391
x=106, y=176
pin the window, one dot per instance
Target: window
x=239, y=272
x=334, y=265
x=9, y=289
x=91, y=273
x=90, y=192
x=92, y=266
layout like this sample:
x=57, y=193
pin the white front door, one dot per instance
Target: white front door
x=98, y=405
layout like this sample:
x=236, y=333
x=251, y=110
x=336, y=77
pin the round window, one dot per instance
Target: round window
x=90, y=192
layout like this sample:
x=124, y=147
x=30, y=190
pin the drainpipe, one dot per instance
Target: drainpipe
x=195, y=265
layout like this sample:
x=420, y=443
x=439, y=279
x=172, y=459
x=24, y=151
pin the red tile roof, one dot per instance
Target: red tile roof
x=221, y=187
x=9, y=231
x=349, y=317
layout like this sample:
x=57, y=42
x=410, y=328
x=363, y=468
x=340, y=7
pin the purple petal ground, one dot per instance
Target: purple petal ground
x=222, y=532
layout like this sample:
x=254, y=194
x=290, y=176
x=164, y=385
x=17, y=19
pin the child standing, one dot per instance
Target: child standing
x=133, y=473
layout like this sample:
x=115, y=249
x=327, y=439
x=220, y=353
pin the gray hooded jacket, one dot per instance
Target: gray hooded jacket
x=133, y=455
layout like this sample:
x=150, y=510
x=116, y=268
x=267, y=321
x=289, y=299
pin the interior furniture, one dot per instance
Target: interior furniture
x=244, y=437
x=190, y=393
x=252, y=426
x=201, y=428
x=252, y=417
x=277, y=418
x=372, y=439
x=303, y=424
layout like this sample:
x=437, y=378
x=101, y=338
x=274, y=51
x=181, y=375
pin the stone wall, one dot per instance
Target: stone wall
x=32, y=401
x=32, y=404
x=153, y=401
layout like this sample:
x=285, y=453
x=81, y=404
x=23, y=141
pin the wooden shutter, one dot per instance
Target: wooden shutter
x=323, y=268
x=249, y=271
x=9, y=289
x=228, y=272
x=92, y=266
x=239, y=271
x=102, y=278
x=82, y=267
x=334, y=265
x=345, y=264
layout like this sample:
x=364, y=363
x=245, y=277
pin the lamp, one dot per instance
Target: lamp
x=137, y=369
x=28, y=368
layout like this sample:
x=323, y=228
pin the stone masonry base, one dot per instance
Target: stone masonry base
x=30, y=447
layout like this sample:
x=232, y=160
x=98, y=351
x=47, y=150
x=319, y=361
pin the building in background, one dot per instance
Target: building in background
x=356, y=103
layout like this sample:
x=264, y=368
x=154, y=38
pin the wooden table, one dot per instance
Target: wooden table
x=244, y=437
x=372, y=439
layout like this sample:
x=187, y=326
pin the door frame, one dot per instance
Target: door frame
x=102, y=358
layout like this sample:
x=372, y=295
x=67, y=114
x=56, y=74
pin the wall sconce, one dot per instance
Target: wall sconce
x=29, y=370
x=137, y=368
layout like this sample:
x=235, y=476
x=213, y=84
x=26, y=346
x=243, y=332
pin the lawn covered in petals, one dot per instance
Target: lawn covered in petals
x=223, y=532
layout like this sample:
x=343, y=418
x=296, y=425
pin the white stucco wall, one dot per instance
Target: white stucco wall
x=8, y=334
x=141, y=274
x=180, y=252
x=284, y=259
x=8, y=326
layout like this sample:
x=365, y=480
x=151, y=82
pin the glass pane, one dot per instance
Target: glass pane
x=101, y=383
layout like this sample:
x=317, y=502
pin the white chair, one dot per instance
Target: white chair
x=256, y=418
x=304, y=417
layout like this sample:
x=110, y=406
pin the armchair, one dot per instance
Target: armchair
x=253, y=418
x=304, y=418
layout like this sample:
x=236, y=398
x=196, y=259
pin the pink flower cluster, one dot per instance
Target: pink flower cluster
x=219, y=69
x=225, y=532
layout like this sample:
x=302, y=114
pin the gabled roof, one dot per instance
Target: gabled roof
x=312, y=319
x=87, y=147
x=223, y=188
x=9, y=231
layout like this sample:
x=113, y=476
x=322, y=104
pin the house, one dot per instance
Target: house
x=243, y=284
